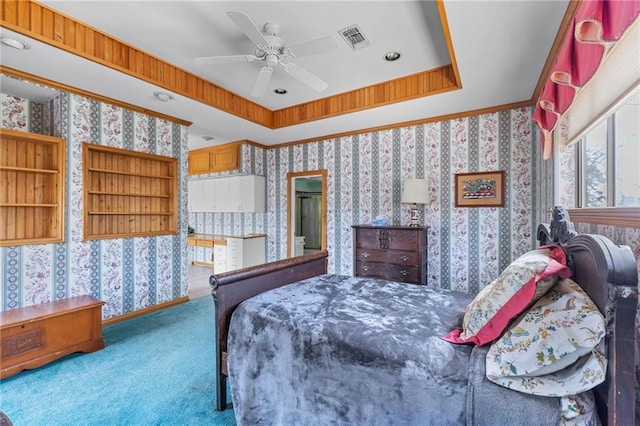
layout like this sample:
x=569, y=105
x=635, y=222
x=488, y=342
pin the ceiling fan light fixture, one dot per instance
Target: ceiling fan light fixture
x=392, y=56
x=280, y=91
x=164, y=97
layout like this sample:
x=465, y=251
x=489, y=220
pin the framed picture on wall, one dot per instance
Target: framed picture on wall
x=480, y=189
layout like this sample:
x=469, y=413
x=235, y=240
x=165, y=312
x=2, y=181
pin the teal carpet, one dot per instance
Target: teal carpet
x=157, y=369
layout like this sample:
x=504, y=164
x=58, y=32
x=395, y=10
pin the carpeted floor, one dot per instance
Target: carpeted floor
x=154, y=370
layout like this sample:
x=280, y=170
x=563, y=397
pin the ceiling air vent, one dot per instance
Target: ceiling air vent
x=354, y=37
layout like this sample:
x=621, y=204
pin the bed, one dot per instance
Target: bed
x=300, y=346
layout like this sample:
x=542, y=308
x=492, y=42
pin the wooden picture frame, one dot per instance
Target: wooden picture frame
x=480, y=189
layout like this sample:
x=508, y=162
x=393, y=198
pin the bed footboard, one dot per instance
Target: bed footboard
x=231, y=288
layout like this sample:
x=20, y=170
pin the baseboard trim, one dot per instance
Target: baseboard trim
x=144, y=311
x=197, y=263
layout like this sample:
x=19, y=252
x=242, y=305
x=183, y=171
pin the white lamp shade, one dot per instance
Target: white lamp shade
x=414, y=191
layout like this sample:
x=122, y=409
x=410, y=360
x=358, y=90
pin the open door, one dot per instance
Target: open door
x=306, y=212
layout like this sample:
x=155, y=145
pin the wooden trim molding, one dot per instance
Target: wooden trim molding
x=66, y=88
x=628, y=217
x=426, y=83
x=567, y=19
x=144, y=311
x=38, y=21
x=490, y=110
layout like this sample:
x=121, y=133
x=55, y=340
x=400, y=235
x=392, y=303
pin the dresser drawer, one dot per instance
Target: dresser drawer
x=397, y=257
x=389, y=239
x=408, y=274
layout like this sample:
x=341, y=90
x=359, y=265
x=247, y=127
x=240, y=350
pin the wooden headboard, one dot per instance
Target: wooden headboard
x=609, y=275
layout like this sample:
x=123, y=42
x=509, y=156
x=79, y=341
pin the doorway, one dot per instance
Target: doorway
x=306, y=212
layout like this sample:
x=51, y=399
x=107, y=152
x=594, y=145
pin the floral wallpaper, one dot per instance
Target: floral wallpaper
x=467, y=248
x=128, y=274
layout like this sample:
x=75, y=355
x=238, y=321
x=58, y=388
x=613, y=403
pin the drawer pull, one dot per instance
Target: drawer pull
x=365, y=255
x=404, y=258
x=404, y=273
x=366, y=268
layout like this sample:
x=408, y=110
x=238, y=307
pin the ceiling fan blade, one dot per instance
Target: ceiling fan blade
x=248, y=27
x=314, y=47
x=305, y=77
x=262, y=81
x=232, y=59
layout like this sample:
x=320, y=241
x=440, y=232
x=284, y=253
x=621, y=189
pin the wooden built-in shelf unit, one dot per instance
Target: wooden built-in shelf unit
x=31, y=188
x=128, y=193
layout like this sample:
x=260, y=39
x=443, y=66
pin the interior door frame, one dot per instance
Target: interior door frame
x=291, y=206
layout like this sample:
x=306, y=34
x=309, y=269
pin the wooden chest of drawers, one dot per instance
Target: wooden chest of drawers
x=397, y=253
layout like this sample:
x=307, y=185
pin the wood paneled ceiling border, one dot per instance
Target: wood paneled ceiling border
x=49, y=26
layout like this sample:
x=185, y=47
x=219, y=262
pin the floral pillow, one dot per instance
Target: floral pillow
x=523, y=282
x=556, y=348
x=578, y=410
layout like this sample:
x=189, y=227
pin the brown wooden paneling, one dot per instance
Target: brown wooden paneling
x=64, y=32
x=40, y=22
x=418, y=85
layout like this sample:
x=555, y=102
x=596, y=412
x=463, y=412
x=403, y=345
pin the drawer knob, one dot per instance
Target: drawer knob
x=404, y=258
x=366, y=268
x=365, y=255
x=404, y=273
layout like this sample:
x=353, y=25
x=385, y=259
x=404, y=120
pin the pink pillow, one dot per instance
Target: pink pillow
x=520, y=285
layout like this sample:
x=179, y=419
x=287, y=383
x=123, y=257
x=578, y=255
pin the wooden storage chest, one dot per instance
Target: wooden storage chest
x=33, y=336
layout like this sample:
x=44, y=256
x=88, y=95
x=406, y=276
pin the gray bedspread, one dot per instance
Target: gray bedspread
x=358, y=351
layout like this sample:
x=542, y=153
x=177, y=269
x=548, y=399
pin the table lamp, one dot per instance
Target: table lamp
x=414, y=192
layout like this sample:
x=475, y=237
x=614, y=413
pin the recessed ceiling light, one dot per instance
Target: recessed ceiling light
x=12, y=42
x=280, y=91
x=208, y=138
x=164, y=97
x=392, y=56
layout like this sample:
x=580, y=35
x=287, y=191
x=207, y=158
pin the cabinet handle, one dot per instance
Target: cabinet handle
x=404, y=258
x=366, y=268
x=404, y=273
x=365, y=255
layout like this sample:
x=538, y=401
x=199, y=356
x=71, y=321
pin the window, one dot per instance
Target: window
x=609, y=169
x=610, y=160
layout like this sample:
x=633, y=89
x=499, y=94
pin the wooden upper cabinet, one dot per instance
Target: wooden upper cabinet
x=32, y=193
x=199, y=162
x=226, y=158
x=221, y=158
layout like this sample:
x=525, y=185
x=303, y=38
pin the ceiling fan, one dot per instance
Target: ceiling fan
x=273, y=51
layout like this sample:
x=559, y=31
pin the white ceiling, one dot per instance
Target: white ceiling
x=500, y=48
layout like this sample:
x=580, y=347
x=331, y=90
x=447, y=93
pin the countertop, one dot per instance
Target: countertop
x=222, y=237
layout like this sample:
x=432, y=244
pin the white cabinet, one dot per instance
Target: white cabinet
x=244, y=252
x=251, y=193
x=230, y=194
x=219, y=258
x=196, y=201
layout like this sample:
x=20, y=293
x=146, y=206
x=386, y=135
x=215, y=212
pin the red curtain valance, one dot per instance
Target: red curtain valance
x=597, y=25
